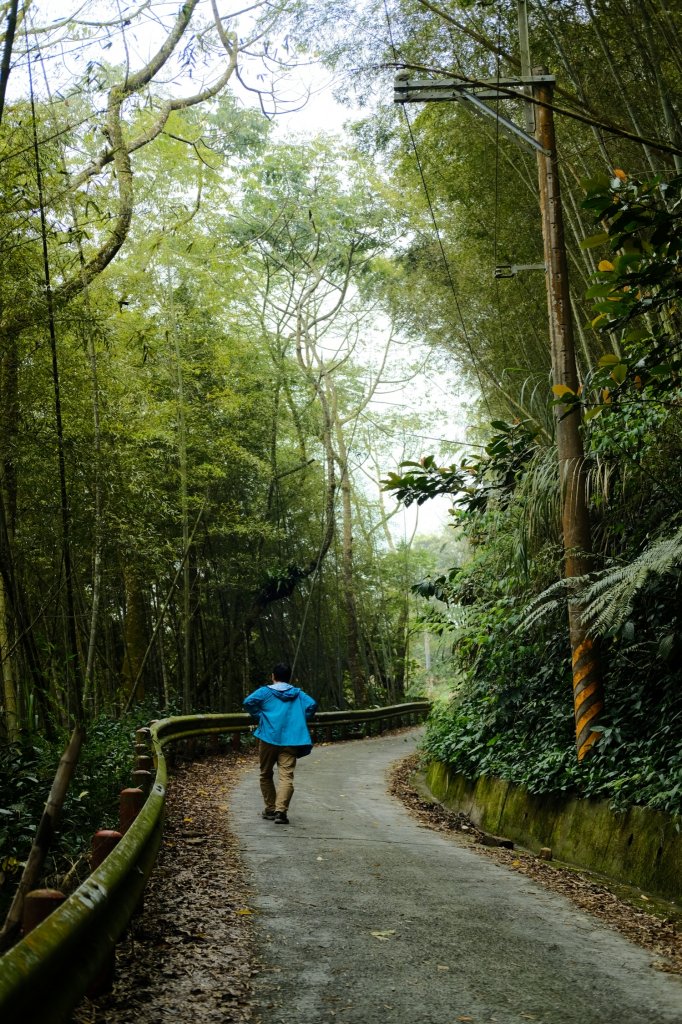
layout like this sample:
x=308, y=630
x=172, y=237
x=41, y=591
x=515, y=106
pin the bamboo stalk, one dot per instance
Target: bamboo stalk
x=43, y=836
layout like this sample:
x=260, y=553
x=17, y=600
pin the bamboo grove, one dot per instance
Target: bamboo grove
x=185, y=302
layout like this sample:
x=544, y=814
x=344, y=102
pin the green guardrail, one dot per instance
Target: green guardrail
x=46, y=974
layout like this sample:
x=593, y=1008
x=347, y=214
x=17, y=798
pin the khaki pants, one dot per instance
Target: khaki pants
x=279, y=798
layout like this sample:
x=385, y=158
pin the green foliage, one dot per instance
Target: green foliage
x=479, y=478
x=26, y=775
x=520, y=727
x=642, y=220
x=512, y=715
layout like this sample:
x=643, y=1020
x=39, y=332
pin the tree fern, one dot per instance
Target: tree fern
x=608, y=597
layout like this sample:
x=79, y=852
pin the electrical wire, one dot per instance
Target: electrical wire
x=515, y=93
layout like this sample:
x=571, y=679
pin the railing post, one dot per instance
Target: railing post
x=143, y=738
x=103, y=842
x=38, y=905
x=143, y=780
x=130, y=805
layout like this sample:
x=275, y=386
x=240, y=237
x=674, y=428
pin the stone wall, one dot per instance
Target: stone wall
x=638, y=846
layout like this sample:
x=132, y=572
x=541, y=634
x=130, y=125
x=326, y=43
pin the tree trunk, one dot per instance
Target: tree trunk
x=355, y=668
x=12, y=724
x=135, y=634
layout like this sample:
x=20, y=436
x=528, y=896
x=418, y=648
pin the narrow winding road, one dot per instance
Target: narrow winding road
x=364, y=916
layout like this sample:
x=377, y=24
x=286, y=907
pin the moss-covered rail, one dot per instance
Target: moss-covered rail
x=46, y=974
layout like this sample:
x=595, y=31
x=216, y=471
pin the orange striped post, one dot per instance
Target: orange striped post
x=587, y=696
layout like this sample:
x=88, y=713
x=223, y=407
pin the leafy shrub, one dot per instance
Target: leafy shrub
x=26, y=774
x=512, y=718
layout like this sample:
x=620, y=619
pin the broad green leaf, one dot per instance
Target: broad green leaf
x=591, y=414
x=594, y=240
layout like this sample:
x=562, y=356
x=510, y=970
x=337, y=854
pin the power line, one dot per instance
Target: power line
x=514, y=93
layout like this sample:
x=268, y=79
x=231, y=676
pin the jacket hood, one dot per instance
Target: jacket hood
x=289, y=694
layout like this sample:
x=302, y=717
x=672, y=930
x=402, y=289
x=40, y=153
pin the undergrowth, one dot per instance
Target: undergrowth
x=26, y=774
x=512, y=718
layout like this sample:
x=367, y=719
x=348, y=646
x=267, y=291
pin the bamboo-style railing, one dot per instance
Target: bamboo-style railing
x=48, y=972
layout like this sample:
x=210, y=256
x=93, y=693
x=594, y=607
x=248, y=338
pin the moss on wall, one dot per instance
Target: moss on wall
x=638, y=846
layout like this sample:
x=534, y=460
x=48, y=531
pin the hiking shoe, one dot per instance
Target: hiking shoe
x=281, y=818
x=268, y=814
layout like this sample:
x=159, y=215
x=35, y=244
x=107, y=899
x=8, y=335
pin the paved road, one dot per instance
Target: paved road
x=457, y=937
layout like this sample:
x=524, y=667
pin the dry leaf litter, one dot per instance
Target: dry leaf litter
x=188, y=956
x=656, y=927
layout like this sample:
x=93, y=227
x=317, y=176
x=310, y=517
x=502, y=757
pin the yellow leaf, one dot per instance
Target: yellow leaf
x=599, y=320
x=618, y=173
x=605, y=265
x=561, y=389
x=516, y=863
x=383, y=936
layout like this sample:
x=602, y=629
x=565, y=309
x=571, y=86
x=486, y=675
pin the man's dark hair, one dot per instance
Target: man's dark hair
x=281, y=672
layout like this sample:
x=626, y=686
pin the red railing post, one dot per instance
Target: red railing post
x=38, y=905
x=130, y=805
x=143, y=780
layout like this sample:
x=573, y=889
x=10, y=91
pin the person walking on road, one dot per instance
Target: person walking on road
x=282, y=712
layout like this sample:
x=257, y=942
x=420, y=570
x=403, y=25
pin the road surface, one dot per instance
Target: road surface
x=366, y=916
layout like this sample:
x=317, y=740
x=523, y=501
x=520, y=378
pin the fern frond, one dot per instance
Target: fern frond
x=550, y=601
x=609, y=599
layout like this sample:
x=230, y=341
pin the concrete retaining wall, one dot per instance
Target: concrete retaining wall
x=638, y=846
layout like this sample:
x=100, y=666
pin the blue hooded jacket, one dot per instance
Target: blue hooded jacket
x=282, y=717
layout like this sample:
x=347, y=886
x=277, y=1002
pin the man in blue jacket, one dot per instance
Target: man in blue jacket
x=282, y=712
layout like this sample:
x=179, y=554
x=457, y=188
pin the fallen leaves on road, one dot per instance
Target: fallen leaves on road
x=661, y=935
x=384, y=936
x=192, y=945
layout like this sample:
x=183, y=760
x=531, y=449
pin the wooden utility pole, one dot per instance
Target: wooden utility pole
x=587, y=687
